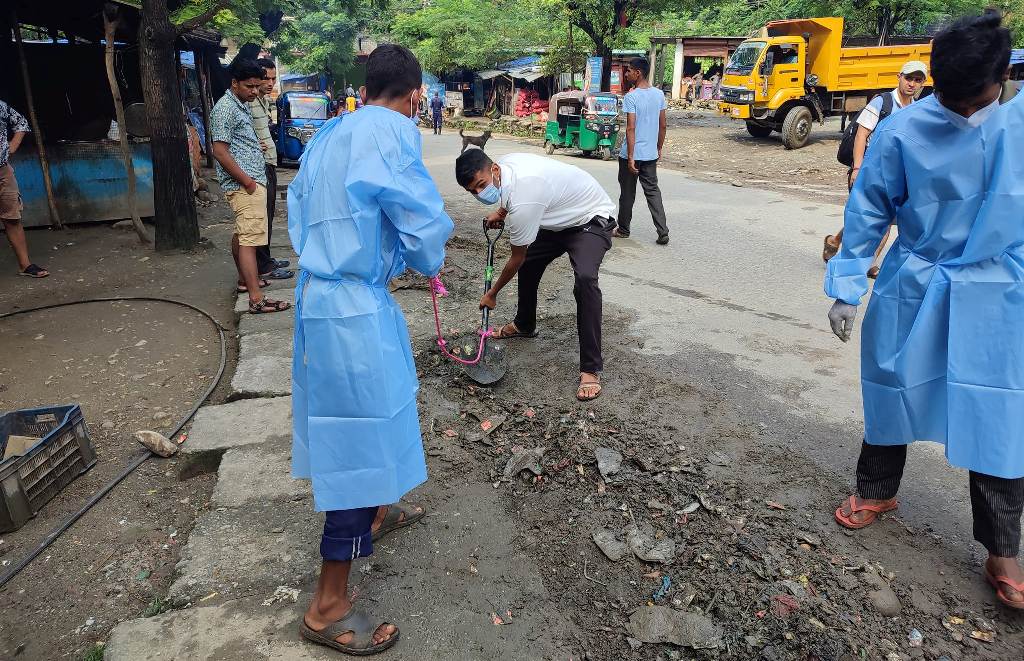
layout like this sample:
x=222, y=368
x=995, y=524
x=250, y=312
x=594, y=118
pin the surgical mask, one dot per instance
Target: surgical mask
x=491, y=194
x=414, y=115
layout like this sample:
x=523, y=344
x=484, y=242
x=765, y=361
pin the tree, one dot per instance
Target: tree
x=177, y=225
x=321, y=40
x=473, y=34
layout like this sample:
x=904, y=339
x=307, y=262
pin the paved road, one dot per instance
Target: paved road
x=742, y=277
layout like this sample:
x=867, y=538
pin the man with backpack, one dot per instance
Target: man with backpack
x=858, y=135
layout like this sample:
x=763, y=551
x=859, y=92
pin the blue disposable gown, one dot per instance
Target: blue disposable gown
x=360, y=210
x=942, y=348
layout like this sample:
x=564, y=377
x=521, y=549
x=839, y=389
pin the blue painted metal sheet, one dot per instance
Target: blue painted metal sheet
x=89, y=182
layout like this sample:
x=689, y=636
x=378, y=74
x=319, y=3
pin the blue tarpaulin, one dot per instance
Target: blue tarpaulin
x=1017, y=56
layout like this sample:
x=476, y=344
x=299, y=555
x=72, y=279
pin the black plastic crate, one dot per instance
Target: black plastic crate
x=28, y=482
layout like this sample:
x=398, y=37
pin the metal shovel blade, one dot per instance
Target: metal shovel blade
x=492, y=365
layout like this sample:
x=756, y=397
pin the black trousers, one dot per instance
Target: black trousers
x=264, y=262
x=586, y=247
x=996, y=502
x=627, y=195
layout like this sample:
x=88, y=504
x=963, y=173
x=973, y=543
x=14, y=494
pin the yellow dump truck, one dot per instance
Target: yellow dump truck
x=798, y=71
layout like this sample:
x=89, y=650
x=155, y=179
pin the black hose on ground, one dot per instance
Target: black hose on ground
x=137, y=461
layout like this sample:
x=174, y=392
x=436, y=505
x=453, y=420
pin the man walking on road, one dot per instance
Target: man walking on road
x=243, y=178
x=361, y=209
x=269, y=268
x=645, y=108
x=911, y=79
x=942, y=355
x=12, y=122
x=437, y=112
x=550, y=208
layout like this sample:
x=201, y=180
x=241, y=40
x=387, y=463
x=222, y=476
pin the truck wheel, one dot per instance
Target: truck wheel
x=587, y=153
x=758, y=130
x=549, y=148
x=606, y=154
x=796, y=130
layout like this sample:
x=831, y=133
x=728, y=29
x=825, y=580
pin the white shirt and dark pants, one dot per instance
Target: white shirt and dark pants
x=646, y=104
x=556, y=208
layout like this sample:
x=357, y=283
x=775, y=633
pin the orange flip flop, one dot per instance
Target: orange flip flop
x=857, y=505
x=994, y=581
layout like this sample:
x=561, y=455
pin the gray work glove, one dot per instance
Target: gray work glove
x=842, y=316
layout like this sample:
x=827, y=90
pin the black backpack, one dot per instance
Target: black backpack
x=845, y=154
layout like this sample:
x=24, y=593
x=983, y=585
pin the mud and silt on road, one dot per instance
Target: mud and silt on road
x=742, y=558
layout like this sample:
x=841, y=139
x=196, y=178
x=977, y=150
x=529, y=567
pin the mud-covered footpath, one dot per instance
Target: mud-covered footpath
x=668, y=519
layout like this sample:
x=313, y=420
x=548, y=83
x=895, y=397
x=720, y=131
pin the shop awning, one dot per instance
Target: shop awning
x=487, y=74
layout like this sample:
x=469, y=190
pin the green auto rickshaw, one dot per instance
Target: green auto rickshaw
x=587, y=122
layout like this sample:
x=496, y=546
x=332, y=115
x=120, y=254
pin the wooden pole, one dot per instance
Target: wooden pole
x=110, y=20
x=37, y=133
x=204, y=97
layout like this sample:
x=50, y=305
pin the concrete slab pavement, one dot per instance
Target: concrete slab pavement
x=245, y=422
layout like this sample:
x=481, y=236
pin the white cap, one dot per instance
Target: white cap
x=914, y=66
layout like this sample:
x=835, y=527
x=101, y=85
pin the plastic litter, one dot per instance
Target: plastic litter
x=666, y=584
x=915, y=638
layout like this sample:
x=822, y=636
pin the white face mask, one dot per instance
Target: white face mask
x=414, y=114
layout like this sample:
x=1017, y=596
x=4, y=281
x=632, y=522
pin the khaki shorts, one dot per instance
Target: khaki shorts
x=250, y=216
x=10, y=196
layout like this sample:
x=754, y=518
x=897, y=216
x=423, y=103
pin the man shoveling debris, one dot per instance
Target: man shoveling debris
x=550, y=208
x=360, y=210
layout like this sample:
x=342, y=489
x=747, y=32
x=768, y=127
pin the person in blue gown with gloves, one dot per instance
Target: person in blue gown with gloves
x=361, y=209
x=942, y=354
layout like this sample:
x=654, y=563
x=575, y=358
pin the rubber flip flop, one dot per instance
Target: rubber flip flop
x=859, y=506
x=354, y=622
x=995, y=582
x=393, y=519
x=34, y=271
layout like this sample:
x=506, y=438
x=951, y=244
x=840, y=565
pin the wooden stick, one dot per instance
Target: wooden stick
x=110, y=21
x=36, y=131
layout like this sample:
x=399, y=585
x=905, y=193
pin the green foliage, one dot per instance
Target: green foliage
x=473, y=34
x=155, y=607
x=321, y=40
x=94, y=653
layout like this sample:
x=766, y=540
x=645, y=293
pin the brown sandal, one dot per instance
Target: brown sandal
x=354, y=622
x=830, y=249
x=500, y=334
x=393, y=519
x=857, y=505
x=242, y=289
x=593, y=386
x=267, y=306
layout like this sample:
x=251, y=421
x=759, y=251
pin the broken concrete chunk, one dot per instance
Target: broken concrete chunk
x=607, y=541
x=157, y=443
x=523, y=459
x=660, y=624
x=647, y=548
x=608, y=461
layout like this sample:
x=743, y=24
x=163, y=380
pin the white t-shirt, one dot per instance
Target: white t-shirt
x=544, y=193
x=868, y=117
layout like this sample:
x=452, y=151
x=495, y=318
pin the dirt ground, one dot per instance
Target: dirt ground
x=710, y=147
x=130, y=366
x=744, y=525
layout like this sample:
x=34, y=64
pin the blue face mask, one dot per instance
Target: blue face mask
x=489, y=195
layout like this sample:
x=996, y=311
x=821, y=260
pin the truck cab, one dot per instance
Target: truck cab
x=797, y=71
x=764, y=81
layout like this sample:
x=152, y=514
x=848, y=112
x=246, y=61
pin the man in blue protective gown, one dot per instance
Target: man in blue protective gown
x=361, y=209
x=942, y=354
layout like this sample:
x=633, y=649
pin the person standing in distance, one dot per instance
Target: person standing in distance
x=644, y=106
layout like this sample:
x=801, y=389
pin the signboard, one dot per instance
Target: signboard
x=453, y=99
x=593, y=76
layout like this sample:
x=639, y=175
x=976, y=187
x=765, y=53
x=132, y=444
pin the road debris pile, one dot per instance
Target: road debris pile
x=655, y=541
